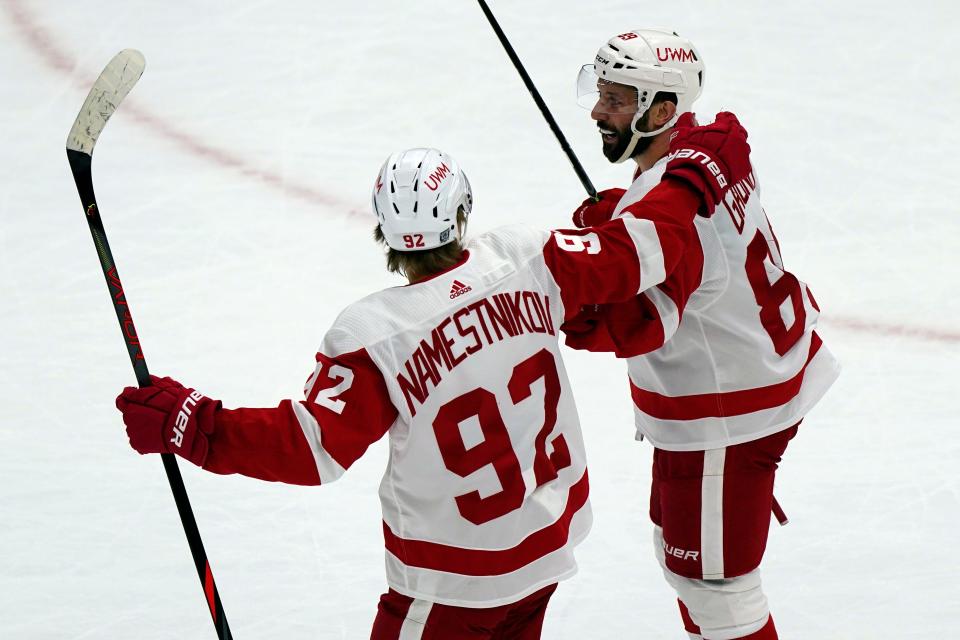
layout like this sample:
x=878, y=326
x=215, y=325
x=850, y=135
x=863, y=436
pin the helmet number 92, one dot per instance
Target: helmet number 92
x=413, y=240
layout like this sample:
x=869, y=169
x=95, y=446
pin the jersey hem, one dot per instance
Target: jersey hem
x=486, y=604
x=508, y=599
x=816, y=390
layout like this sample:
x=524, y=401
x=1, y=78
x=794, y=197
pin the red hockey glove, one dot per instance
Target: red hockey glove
x=167, y=418
x=709, y=159
x=592, y=212
x=584, y=322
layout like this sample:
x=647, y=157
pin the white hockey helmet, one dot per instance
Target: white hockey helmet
x=650, y=60
x=416, y=198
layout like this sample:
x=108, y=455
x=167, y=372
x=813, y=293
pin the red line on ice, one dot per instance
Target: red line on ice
x=890, y=329
x=42, y=44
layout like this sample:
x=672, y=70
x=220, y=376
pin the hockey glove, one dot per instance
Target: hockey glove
x=168, y=418
x=593, y=212
x=710, y=159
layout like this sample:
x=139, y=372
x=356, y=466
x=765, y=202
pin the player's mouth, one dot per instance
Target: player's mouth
x=608, y=136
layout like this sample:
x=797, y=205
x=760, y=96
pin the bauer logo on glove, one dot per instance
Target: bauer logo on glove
x=705, y=160
x=183, y=417
x=166, y=417
x=709, y=158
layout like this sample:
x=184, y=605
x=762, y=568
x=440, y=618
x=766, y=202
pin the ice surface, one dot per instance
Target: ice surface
x=234, y=187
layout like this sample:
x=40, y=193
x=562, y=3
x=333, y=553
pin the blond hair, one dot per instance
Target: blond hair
x=416, y=265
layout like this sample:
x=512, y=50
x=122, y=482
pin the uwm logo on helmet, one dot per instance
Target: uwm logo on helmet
x=434, y=179
x=678, y=55
x=458, y=289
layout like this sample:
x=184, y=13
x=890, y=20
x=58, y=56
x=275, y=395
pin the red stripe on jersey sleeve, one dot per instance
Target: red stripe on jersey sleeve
x=636, y=327
x=718, y=405
x=686, y=277
x=349, y=404
x=603, y=263
x=671, y=206
x=262, y=443
x=349, y=400
x=593, y=264
x=483, y=562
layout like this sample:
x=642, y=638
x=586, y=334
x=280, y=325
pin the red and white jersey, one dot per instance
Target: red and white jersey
x=486, y=490
x=485, y=493
x=725, y=350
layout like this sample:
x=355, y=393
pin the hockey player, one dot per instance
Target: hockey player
x=723, y=357
x=485, y=494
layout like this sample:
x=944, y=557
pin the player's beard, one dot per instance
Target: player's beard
x=614, y=150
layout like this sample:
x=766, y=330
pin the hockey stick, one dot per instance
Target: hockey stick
x=577, y=167
x=115, y=82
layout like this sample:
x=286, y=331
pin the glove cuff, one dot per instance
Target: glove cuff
x=702, y=170
x=192, y=425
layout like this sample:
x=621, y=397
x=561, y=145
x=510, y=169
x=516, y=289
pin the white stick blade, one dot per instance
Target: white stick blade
x=115, y=82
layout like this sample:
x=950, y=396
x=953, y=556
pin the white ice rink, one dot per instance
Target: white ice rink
x=234, y=186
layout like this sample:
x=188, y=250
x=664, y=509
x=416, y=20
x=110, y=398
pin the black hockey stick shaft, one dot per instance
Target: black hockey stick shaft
x=518, y=65
x=110, y=88
x=80, y=164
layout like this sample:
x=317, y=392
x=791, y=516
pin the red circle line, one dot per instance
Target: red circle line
x=41, y=43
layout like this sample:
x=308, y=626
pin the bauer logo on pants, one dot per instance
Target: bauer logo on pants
x=681, y=554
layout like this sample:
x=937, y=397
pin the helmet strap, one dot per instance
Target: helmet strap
x=628, y=152
x=650, y=134
x=637, y=135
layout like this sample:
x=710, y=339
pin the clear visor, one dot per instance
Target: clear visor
x=602, y=96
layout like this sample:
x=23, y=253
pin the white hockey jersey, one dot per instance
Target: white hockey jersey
x=724, y=351
x=486, y=492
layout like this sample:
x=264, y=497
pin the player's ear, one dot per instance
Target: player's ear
x=663, y=112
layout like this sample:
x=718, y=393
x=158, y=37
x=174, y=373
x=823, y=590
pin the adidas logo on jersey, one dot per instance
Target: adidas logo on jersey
x=458, y=289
